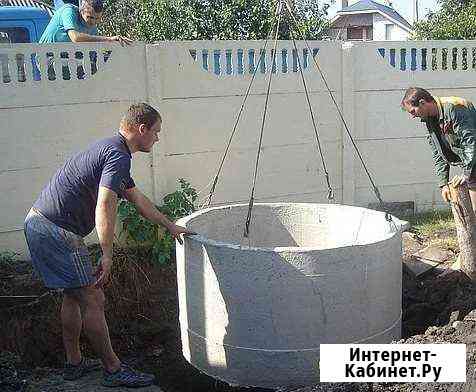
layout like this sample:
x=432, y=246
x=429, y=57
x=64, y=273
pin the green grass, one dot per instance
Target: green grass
x=437, y=227
x=432, y=222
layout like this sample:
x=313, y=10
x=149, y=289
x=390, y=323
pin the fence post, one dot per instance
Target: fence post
x=157, y=160
x=348, y=107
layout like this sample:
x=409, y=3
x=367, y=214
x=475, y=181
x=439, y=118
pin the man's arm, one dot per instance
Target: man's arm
x=70, y=18
x=464, y=127
x=77, y=36
x=147, y=209
x=106, y=208
x=441, y=167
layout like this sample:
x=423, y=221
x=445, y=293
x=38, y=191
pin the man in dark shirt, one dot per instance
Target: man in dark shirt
x=82, y=195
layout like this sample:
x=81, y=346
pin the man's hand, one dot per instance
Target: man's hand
x=124, y=41
x=147, y=209
x=176, y=231
x=459, y=180
x=445, y=193
x=103, y=272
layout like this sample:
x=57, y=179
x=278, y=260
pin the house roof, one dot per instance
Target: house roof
x=369, y=5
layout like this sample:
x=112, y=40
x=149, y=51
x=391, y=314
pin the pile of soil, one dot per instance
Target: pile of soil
x=142, y=312
x=439, y=308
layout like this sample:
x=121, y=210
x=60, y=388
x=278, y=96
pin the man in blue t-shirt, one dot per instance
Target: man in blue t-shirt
x=72, y=24
x=81, y=196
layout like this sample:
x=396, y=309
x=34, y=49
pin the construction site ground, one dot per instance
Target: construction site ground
x=439, y=306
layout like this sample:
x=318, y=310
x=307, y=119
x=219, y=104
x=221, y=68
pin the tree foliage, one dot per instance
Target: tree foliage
x=456, y=19
x=157, y=20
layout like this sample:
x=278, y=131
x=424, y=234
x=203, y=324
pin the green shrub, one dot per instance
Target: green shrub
x=140, y=231
x=7, y=258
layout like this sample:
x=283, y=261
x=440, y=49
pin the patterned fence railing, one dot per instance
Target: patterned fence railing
x=237, y=61
x=19, y=67
x=50, y=64
x=431, y=58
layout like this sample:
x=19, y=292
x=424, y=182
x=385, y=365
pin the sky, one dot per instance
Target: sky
x=404, y=7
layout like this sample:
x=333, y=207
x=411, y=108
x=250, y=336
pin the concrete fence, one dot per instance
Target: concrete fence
x=57, y=99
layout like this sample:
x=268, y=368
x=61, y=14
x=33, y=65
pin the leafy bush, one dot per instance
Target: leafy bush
x=455, y=19
x=7, y=258
x=140, y=231
x=157, y=20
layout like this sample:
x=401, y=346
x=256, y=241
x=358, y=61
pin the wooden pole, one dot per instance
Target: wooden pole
x=465, y=228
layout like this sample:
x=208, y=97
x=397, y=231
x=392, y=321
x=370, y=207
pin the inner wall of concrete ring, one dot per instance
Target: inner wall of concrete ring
x=254, y=312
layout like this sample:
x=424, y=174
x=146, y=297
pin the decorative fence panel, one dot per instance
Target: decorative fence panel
x=56, y=99
x=39, y=75
x=202, y=87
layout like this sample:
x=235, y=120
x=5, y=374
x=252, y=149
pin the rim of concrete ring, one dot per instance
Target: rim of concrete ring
x=293, y=249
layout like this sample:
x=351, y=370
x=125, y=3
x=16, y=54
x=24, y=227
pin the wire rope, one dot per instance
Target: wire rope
x=263, y=121
x=330, y=192
x=339, y=111
x=235, y=126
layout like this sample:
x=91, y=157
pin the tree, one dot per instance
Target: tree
x=156, y=20
x=456, y=19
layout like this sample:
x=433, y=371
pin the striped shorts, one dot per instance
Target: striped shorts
x=59, y=257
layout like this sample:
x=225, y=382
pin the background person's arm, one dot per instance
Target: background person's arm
x=77, y=36
x=70, y=18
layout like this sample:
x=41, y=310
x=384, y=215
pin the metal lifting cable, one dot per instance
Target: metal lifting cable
x=275, y=27
x=261, y=58
x=375, y=189
x=330, y=192
x=250, y=205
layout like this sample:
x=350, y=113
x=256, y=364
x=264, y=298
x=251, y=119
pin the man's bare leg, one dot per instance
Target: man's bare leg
x=94, y=321
x=71, y=323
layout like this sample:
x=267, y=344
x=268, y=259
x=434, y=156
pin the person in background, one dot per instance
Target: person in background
x=71, y=23
x=451, y=125
x=81, y=196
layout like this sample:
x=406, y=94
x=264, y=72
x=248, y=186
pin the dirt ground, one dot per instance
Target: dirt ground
x=143, y=316
x=142, y=312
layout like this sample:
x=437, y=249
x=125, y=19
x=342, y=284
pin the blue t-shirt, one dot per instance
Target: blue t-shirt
x=65, y=18
x=69, y=200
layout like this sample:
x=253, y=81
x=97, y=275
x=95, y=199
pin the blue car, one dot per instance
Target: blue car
x=18, y=25
x=22, y=24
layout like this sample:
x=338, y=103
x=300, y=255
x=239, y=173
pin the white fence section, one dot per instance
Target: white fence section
x=57, y=99
x=201, y=106
x=45, y=118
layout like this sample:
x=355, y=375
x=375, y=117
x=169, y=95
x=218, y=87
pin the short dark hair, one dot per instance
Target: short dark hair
x=141, y=113
x=97, y=5
x=413, y=95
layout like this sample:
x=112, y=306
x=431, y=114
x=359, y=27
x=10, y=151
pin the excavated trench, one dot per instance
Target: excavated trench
x=443, y=303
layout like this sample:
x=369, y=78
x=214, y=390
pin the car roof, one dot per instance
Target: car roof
x=9, y=12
